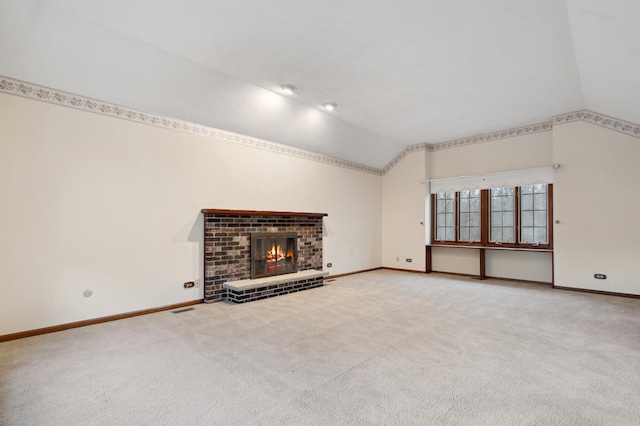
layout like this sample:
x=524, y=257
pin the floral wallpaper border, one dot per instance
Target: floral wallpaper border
x=600, y=120
x=518, y=131
x=58, y=97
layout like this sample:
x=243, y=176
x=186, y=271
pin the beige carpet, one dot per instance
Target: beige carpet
x=382, y=347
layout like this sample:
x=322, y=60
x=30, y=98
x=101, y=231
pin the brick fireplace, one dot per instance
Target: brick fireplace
x=227, y=253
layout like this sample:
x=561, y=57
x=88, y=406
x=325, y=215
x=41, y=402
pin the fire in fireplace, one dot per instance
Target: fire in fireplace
x=273, y=253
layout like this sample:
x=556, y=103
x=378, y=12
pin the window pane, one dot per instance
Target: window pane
x=502, y=205
x=464, y=204
x=540, y=202
x=507, y=219
x=450, y=234
x=539, y=235
x=464, y=219
x=475, y=205
x=464, y=234
x=445, y=217
x=449, y=205
x=450, y=220
x=496, y=219
x=526, y=189
x=474, y=234
x=496, y=203
x=540, y=218
x=507, y=203
x=507, y=235
x=533, y=214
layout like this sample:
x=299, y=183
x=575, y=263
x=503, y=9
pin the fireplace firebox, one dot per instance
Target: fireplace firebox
x=273, y=253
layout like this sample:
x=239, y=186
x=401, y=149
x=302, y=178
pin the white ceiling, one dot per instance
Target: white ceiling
x=402, y=72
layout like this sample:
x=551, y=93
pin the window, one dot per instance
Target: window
x=517, y=217
x=445, y=216
x=533, y=214
x=502, y=215
x=469, y=216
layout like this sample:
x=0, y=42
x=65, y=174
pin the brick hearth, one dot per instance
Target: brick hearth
x=227, y=249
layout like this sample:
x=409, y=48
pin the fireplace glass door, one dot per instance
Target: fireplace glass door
x=273, y=253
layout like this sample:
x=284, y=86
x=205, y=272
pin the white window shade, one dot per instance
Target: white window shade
x=494, y=180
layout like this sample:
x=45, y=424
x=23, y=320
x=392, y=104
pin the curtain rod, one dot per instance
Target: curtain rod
x=508, y=172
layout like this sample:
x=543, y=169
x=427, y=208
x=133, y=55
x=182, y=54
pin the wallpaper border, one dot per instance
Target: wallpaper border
x=59, y=97
x=471, y=140
x=601, y=120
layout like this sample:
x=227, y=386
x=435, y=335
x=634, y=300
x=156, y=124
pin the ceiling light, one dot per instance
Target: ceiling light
x=330, y=106
x=289, y=89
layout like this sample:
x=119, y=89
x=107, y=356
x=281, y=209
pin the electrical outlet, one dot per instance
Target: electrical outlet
x=196, y=283
x=408, y=260
x=600, y=276
x=189, y=284
x=329, y=265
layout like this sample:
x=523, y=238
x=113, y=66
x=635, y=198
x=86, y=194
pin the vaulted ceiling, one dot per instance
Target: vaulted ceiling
x=402, y=72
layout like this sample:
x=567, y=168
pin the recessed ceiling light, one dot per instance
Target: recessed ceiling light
x=289, y=89
x=330, y=106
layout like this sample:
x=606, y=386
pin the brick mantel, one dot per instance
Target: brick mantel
x=261, y=213
x=227, y=244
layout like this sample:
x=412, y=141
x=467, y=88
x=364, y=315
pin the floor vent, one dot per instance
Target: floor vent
x=179, y=311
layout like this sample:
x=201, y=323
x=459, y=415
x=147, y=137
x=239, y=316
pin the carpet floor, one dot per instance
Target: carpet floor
x=382, y=347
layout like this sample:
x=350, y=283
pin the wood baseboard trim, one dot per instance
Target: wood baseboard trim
x=601, y=292
x=457, y=274
x=517, y=280
x=403, y=270
x=330, y=277
x=68, y=326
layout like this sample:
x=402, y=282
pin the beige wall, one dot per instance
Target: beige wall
x=597, y=204
x=532, y=266
x=93, y=202
x=455, y=260
x=521, y=152
x=403, y=214
x=403, y=201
